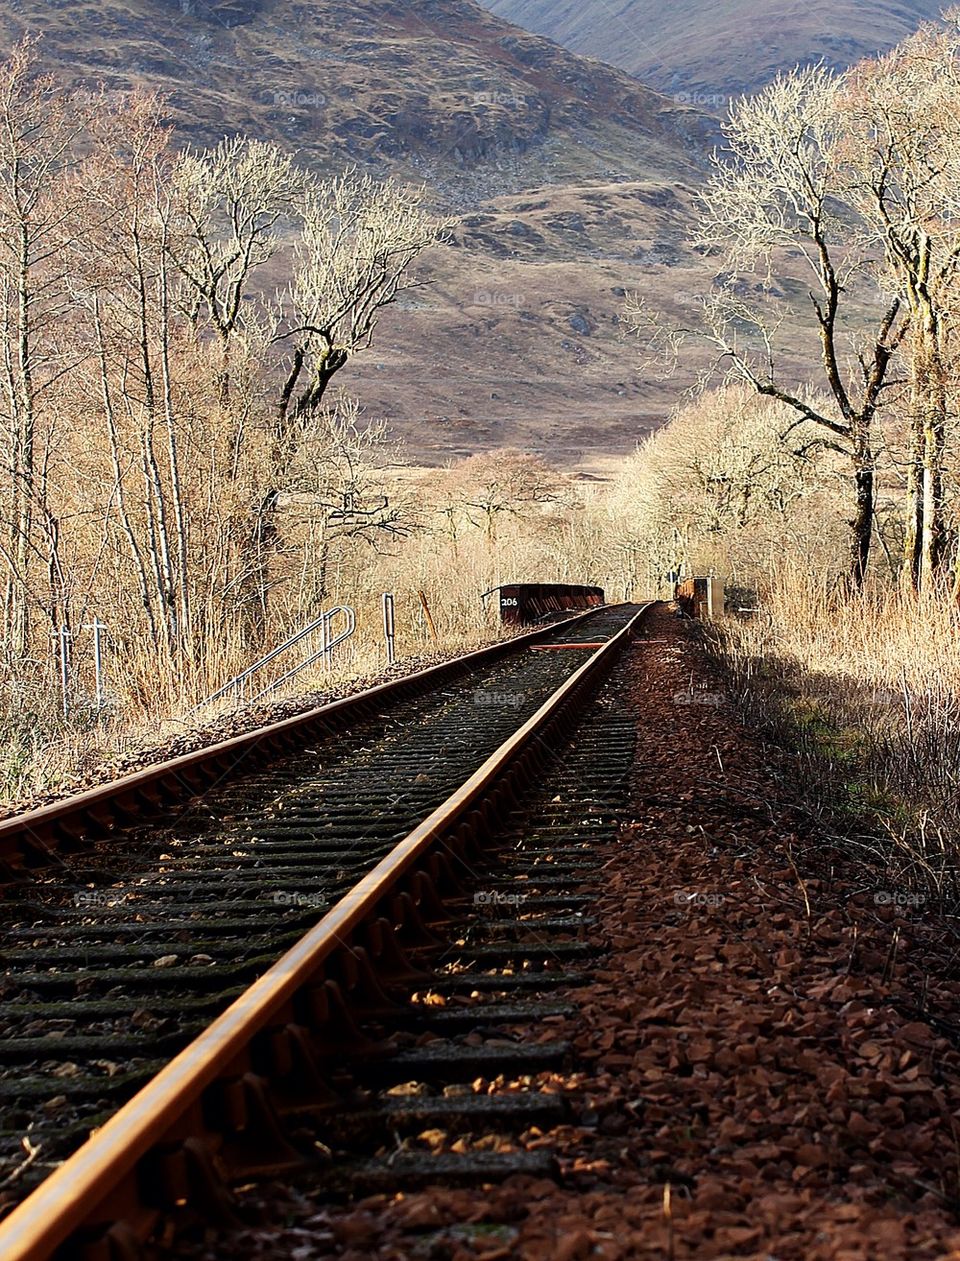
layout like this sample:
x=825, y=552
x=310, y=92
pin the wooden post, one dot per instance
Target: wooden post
x=428, y=615
x=715, y=598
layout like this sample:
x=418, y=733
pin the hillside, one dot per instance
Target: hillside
x=573, y=181
x=706, y=52
x=523, y=325
x=438, y=85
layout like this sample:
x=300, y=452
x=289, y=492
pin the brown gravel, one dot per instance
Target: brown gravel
x=763, y=1080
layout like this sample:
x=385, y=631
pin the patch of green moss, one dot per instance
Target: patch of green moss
x=846, y=749
x=814, y=724
x=16, y=758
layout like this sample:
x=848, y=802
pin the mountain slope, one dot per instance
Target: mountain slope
x=707, y=52
x=573, y=181
x=375, y=81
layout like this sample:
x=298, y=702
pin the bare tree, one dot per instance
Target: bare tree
x=736, y=460
x=124, y=280
x=39, y=211
x=231, y=203
x=899, y=159
x=359, y=241
x=718, y=482
x=777, y=193
x=338, y=488
x=506, y=482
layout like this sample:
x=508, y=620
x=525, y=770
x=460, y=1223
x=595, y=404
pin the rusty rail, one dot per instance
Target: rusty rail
x=167, y=1147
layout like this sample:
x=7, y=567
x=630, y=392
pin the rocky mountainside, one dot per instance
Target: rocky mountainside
x=373, y=81
x=704, y=52
x=573, y=182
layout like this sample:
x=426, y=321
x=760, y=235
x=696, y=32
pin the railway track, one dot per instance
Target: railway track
x=146, y=987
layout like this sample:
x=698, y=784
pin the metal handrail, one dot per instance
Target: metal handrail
x=321, y=624
x=325, y=650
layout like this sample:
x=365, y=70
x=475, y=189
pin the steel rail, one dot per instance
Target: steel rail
x=31, y=839
x=75, y=1193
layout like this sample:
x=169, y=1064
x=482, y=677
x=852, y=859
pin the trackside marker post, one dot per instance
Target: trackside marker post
x=389, y=629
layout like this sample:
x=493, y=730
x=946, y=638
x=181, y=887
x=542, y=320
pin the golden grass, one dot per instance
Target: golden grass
x=867, y=691
x=42, y=756
x=152, y=707
x=887, y=639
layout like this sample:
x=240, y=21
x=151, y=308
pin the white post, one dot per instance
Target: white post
x=65, y=637
x=389, y=629
x=98, y=628
x=715, y=598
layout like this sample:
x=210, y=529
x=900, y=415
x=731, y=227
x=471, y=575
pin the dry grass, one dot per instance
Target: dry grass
x=43, y=756
x=866, y=692
x=150, y=707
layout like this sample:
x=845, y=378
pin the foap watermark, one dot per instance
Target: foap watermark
x=496, y=298
x=493, y=897
x=709, y=100
x=299, y=98
x=96, y=899
x=508, y=100
x=897, y=898
x=695, y=899
x=713, y=700
x=119, y=98
x=499, y=700
x=283, y=897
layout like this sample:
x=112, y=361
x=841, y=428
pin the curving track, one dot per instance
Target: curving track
x=122, y=945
